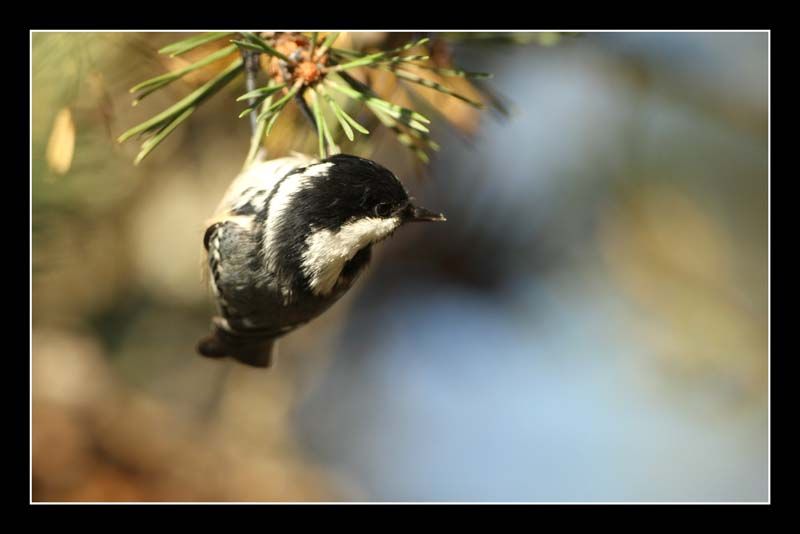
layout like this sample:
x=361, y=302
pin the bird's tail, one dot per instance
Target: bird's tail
x=250, y=350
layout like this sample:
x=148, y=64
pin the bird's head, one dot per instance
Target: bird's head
x=345, y=205
x=350, y=189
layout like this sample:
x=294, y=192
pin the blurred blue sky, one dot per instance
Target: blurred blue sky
x=540, y=387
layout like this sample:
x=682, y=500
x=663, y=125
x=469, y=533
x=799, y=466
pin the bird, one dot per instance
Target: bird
x=289, y=238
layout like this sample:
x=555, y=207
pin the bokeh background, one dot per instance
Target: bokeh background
x=591, y=324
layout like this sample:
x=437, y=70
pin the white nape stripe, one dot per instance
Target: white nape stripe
x=318, y=169
x=279, y=203
x=328, y=251
x=260, y=176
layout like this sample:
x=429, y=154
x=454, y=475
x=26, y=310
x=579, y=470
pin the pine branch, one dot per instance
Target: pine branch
x=303, y=66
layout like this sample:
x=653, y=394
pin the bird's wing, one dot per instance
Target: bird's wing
x=246, y=301
x=211, y=241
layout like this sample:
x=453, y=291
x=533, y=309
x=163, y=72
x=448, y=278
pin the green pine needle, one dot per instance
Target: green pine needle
x=271, y=123
x=355, y=124
x=346, y=52
x=345, y=120
x=190, y=43
x=257, y=43
x=319, y=121
x=153, y=84
x=196, y=96
x=166, y=121
x=409, y=117
x=378, y=57
x=409, y=126
x=259, y=95
x=258, y=135
x=403, y=137
x=365, y=61
x=408, y=46
x=154, y=141
x=456, y=72
x=405, y=75
x=314, y=36
x=326, y=44
x=332, y=146
x=282, y=102
x=261, y=92
x=376, y=61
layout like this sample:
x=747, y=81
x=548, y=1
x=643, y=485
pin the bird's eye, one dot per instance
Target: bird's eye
x=383, y=209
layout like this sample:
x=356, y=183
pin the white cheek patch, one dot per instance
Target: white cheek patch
x=328, y=251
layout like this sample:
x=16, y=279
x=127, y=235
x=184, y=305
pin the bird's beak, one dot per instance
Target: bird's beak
x=417, y=214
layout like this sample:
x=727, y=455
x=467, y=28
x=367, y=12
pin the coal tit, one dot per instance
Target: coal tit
x=289, y=238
